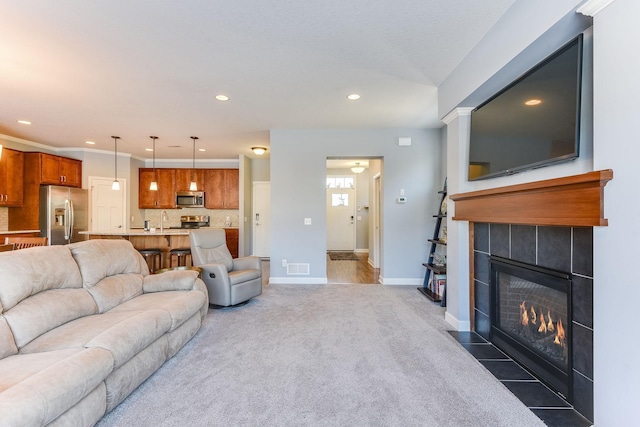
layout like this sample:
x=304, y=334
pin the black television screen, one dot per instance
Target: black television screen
x=533, y=122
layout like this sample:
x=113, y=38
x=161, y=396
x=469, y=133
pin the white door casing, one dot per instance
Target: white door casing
x=261, y=218
x=108, y=207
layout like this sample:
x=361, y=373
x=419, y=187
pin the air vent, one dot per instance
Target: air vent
x=298, y=268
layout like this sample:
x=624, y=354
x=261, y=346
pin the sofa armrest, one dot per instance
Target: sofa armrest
x=173, y=280
x=247, y=263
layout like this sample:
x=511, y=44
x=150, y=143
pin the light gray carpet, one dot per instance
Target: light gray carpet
x=324, y=355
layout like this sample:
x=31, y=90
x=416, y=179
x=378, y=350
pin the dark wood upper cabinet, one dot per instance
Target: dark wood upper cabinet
x=58, y=170
x=185, y=176
x=11, y=178
x=164, y=197
x=221, y=189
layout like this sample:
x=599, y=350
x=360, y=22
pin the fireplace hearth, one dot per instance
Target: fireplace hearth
x=531, y=319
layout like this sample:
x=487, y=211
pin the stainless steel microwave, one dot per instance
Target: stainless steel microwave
x=190, y=199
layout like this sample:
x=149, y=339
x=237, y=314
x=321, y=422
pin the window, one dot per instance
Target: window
x=340, y=182
x=339, y=199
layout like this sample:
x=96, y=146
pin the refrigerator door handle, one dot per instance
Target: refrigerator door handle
x=67, y=217
x=73, y=220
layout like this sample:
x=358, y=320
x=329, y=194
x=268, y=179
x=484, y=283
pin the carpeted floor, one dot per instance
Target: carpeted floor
x=324, y=355
x=343, y=256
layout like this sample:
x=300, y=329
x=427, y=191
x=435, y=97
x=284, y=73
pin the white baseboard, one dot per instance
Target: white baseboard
x=298, y=281
x=401, y=281
x=462, y=326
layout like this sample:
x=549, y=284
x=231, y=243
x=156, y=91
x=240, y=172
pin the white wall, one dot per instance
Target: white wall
x=298, y=172
x=617, y=290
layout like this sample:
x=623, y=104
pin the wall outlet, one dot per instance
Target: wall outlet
x=284, y=262
x=307, y=221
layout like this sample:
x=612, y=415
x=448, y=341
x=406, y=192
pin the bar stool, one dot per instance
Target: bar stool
x=153, y=257
x=181, y=255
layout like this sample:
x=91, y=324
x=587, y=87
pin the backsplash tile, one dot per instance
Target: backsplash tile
x=217, y=216
x=4, y=219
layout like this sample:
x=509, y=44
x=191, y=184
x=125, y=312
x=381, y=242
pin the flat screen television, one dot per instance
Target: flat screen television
x=531, y=123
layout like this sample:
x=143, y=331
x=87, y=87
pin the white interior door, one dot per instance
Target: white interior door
x=108, y=207
x=261, y=218
x=341, y=228
x=375, y=213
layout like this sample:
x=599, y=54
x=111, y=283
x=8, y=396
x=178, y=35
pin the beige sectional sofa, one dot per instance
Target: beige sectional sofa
x=82, y=325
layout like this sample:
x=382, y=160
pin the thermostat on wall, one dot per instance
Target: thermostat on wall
x=402, y=199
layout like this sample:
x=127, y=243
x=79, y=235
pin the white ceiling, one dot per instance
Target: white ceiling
x=85, y=70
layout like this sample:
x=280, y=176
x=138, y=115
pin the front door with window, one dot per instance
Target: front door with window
x=341, y=228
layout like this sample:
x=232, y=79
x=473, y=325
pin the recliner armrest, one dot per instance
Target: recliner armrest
x=247, y=263
x=215, y=272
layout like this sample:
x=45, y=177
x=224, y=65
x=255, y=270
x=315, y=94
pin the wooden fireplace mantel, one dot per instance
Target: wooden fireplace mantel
x=576, y=200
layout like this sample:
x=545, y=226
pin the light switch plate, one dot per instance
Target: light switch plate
x=307, y=221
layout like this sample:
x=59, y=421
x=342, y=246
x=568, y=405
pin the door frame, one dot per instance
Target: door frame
x=375, y=213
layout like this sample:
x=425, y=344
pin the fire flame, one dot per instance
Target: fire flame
x=550, y=323
x=533, y=316
x=560, y=337
x=525, y=316
x=543, y=326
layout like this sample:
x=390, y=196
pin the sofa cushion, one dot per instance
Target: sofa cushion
x=98, y=259
x=29, y=271
x=35, y=389
x=180, y=305
x=123, y=333
x=47, y=310
x=7, y=343
x=114, y=290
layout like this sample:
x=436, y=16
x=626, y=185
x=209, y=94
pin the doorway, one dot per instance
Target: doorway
x=349, y=212
x=108, y=207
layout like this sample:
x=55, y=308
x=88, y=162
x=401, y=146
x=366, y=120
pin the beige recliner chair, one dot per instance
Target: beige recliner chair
x=229, y=281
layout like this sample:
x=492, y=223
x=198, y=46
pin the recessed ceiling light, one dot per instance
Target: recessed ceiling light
x=222, y=97
x=148, y=149
x=90, y=142
x=533, y=102
x=24, y=122
x=202, y=149
x=353, y=97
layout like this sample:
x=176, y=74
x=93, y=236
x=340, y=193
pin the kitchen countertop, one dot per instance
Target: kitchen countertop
x=142, y=232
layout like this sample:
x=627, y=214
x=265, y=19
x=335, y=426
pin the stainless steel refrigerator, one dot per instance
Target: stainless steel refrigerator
x=63, y=214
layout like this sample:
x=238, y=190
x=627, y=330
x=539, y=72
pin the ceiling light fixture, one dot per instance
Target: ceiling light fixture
x=194, y=185
x=202, y=149
x=259, y=150
x=154, y=184
x=357, y=168
x=90, y=142
x=115, y=185
x=24, y=122
x=353, y=97
x=533, y=102
x=222, y=97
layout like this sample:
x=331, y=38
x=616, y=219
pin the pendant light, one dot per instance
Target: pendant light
x=154, y=184
x=0, y=151
x=115, y=185
x=194, y=185
x=357, y=168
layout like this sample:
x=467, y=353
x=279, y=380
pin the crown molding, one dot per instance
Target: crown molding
x=458, y=112
x=592, y=7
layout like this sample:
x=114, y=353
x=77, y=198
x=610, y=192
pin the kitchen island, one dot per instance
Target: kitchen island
x=165, y=239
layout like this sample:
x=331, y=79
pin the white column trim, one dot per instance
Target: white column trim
x=592, y=7
x=461, y=111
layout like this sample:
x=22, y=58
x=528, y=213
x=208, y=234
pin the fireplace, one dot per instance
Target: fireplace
x=531, y=319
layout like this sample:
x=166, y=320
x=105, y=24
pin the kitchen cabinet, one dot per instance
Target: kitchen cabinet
x=11, y=178
x=58, y=170
x=221, y=188
x=165, y=196
x=184, y=177
x=232, y=235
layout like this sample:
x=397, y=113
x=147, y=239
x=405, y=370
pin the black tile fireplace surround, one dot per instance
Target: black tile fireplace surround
x=568, y=249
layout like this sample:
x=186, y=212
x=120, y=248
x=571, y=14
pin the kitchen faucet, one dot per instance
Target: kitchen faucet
x=163, y=217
